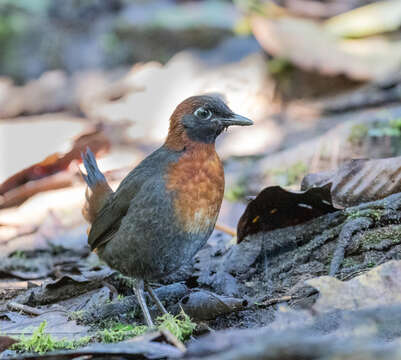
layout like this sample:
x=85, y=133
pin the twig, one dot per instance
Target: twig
x=25, y=308
x=275, y=301
x=23, y=192
x=226, y=229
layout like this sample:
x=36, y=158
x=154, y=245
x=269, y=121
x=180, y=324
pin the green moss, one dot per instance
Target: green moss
x=19, y=254
x=180, y=325
x=278, y=66
x=388, y=128
x=358, y=133
x=120, y=332
x=371, y=239
x=243, y=26
x=235, y=193
x=291, y=175
x=376, y=236
x=41, y=342
x=349, y=262
x=352, y=214
x=374, y=214
x=76, y=315
x=391, y=128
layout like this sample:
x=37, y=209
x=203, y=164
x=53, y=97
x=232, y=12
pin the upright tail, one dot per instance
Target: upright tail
x=98, y=189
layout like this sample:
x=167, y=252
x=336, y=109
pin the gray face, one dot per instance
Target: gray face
x=209, y=118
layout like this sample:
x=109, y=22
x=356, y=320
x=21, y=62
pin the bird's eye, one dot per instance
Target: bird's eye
x=203, y=113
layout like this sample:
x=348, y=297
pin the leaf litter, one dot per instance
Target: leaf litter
x=228, y=271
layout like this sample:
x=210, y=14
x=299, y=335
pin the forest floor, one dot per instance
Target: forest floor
x=265, y=293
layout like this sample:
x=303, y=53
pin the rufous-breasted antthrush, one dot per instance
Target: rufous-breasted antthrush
x=166, y=208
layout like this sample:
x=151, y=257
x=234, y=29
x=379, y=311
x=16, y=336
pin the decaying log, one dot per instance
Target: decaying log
x=276, y=263
x=343, y=244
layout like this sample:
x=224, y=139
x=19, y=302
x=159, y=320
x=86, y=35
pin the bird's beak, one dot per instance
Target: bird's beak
x=236, y=120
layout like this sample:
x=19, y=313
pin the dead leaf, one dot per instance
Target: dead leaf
x=276, y=208
x=379, y=286
x=45, y=175
x=57, y=324
x=51, y=92
x=317, y=9
x=24, y=269
x=18, y=195
x=358, y=181
x=6, y=342
x=66, y=287
x=376, y=18
x=121, y=350
x=310, y=46
x=205, y=305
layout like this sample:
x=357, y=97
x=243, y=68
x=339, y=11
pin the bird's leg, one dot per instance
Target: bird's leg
x=155, y=298
x=138, y=290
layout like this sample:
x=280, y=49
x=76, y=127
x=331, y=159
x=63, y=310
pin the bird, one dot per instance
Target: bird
x=165, y=209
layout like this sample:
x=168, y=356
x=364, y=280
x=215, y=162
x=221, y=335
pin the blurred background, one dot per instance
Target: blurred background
x=320, y=78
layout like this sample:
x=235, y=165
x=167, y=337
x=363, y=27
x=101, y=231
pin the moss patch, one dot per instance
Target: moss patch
x=41, y=342
x=180, y=325
x=374, y=214
x=120, y=332
x=390, y=233
x=235, y=193
x=358, y=133
x=289, y=176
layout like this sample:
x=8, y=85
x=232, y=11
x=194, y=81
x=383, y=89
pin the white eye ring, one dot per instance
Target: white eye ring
x=202, y=113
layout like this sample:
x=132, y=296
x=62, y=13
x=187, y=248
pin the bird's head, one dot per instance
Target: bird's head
x=201, y=119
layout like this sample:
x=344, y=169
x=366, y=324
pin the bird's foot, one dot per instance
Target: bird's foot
x=156, y=300
x=138, y=290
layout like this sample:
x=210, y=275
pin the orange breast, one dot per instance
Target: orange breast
x=197, y=180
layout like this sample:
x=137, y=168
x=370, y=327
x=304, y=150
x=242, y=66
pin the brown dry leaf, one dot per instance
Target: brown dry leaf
x=276, y=207
x=6, y=342
x=360, y=180
x=46, y=175
x=310, y=46
x=379, y=286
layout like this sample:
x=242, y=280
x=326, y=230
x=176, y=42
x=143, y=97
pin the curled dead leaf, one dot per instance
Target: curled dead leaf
x=45, y=175
x=358, y=181
x=276, y=208
x=6, y=342
x=204, y=305
x=310, y=46
x=368, y=20
x=379, y=286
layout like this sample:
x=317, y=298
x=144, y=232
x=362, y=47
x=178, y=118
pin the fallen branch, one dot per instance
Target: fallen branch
x=273, y=301
x=226, y=229
x=24, y=308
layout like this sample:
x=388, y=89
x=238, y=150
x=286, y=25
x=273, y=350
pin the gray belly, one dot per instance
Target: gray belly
x=150, y=243
x=151, y=257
